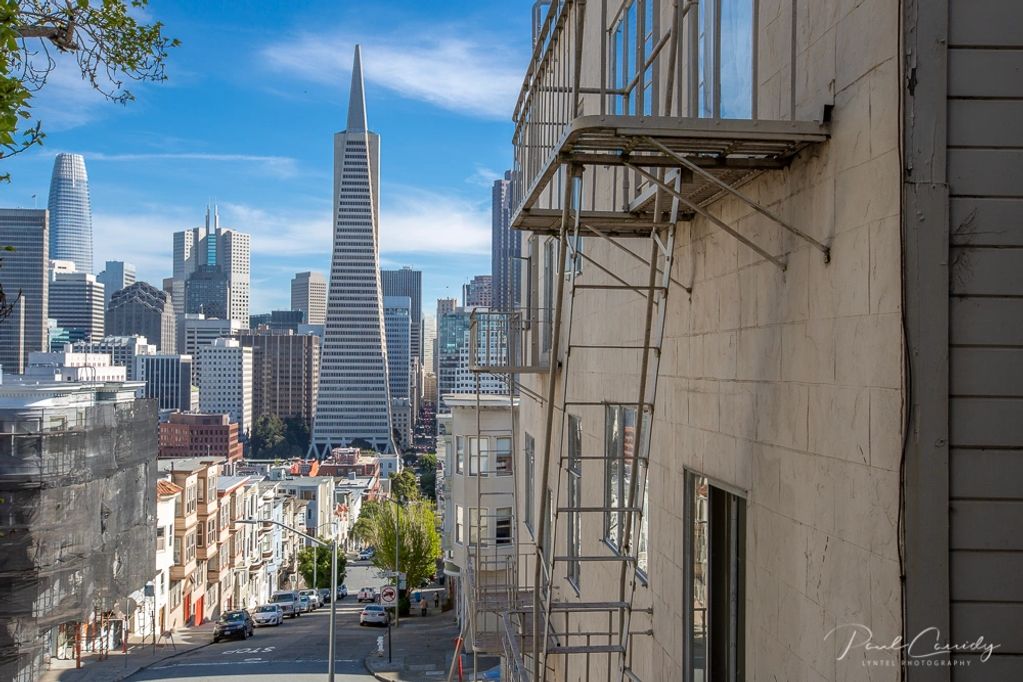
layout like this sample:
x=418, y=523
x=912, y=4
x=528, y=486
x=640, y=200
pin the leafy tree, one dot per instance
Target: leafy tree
x=364, y=527
x=428, y=475
x=321, y=556
x=109, y=45
x=296, y=434
x=404, y=487
x=267, y=437
x=418, y=540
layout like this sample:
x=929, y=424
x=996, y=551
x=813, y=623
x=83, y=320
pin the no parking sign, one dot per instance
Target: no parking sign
x=388, y=596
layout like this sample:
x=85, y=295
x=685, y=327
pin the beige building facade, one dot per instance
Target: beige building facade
x=727, y=464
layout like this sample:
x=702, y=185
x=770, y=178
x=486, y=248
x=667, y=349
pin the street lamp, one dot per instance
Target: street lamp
x=333, y=584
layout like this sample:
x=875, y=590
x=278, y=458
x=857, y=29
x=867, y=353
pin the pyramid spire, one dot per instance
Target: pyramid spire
x=356, y=97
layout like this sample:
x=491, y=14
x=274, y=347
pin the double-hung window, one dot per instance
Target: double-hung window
x=503, y=456
x=459, y=454
x=479, y=455
x=503, y=525
x=459, y=524
x=529, y=450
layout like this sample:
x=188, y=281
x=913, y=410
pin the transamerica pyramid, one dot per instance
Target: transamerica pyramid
x=353, y=402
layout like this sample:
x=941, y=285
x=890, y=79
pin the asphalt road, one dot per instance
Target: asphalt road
x=296, y=650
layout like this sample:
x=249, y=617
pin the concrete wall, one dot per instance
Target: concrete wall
x=785, y=386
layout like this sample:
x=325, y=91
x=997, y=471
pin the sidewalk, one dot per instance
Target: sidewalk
x=118, y=666
x=422, y=649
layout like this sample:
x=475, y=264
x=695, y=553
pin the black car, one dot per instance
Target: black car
x=234, y=624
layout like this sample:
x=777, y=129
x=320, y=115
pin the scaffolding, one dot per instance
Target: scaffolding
x=626, y=130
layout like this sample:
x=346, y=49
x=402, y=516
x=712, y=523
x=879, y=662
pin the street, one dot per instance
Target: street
x=296, y=650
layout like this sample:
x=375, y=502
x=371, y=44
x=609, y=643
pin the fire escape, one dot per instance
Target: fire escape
x=626, y=129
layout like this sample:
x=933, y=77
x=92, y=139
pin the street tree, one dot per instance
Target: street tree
x=404, y=487
x=428, y=475
x=365, y=526
x=267, y=438
x=107, y=40
x=417, y=539
x=321, y=557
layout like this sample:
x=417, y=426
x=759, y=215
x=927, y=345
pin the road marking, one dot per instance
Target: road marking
x=248, y=650
x=251, y=661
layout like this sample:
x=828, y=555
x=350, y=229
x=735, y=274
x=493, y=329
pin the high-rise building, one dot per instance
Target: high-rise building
x=115, y=276
x=309, y=294
x=397, y=326
x=143, y=310
x=505, y=248
x=225, y=382
x=453, y=358
x=196, y=332
x=407, y=282
x=70, y=212
x=122, y=350
x=478, y=292
x=285, y=373
x=76, y=303
x=168, y=378
x=444, y=306
x=26, y=285
x=353, y=402
x=208, y=291
x=221, y=248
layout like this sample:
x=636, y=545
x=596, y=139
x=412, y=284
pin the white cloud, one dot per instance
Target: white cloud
x=484, y=177
x=420, y=221
x=431, y=64
x=279, y=166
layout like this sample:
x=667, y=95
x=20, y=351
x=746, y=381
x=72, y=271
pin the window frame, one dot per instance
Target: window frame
x=459, y=524
x=573, y=537
x=529, y=452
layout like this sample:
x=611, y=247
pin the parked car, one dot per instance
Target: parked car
x=342, y=591
x=269, y=614
x=288, y=601
x=314, y=598
x=374, y=614
x=304, y=604
x=233, y=624
x=324, y=595
x=367, y=594
x=367, y=554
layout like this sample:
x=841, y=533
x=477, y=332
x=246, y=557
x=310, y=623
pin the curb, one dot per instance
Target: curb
x=375, y=674
x=161, y=660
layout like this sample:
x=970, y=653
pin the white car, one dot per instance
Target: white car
x=367, y=554
x=314, y=598
x=374, y=614
x=342, y=591
x=367, y=594
x=288, y=601
x=268, y=614
x=304, y=605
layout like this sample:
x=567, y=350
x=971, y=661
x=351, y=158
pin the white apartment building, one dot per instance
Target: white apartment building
x=480, y=548
x=225, y=382
x=196, y=331
x=71, y=366
x=318, y=491
x=153, y=616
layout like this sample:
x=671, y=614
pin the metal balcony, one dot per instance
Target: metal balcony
x=644, y=116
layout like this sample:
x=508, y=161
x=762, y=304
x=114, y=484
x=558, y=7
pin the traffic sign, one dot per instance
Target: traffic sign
x=388, y=595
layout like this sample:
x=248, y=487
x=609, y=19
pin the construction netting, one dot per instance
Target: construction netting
x=77, y=521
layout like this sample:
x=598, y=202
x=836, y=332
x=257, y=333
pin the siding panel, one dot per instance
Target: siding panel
x=987, y=271
x=987, y=321
x=985, y=22
x=986, y=372
x=987, y=473
x=987, y=576
x=996, y=623
x=986, y=422
x=985, y=122
x=985, y=73
x=986, y=172
x=987, y=525
x=977, y=221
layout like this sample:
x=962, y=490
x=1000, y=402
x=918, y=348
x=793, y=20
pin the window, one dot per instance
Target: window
x=479, y=455
x=575, y=472
x=503, y=526
x=177, y=550
x=478, y=525
x=726, y=58
x=459, y=454
x=459, y=524
x=715, y=542
x=202, y=493
x=619, y=464
x=161, y=538
x=211, y=532
x=550, y=255
x=503, y=456
x=529, y=448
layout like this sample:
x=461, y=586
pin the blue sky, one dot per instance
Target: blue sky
x=246, y=118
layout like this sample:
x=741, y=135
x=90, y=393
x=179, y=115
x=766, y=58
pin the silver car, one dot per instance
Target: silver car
x=374, y=614
x=268, y=614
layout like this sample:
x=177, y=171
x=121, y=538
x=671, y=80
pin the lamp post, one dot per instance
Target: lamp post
x=333, y=584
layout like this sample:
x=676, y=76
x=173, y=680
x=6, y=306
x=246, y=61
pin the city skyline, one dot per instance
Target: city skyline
x=152, y=169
